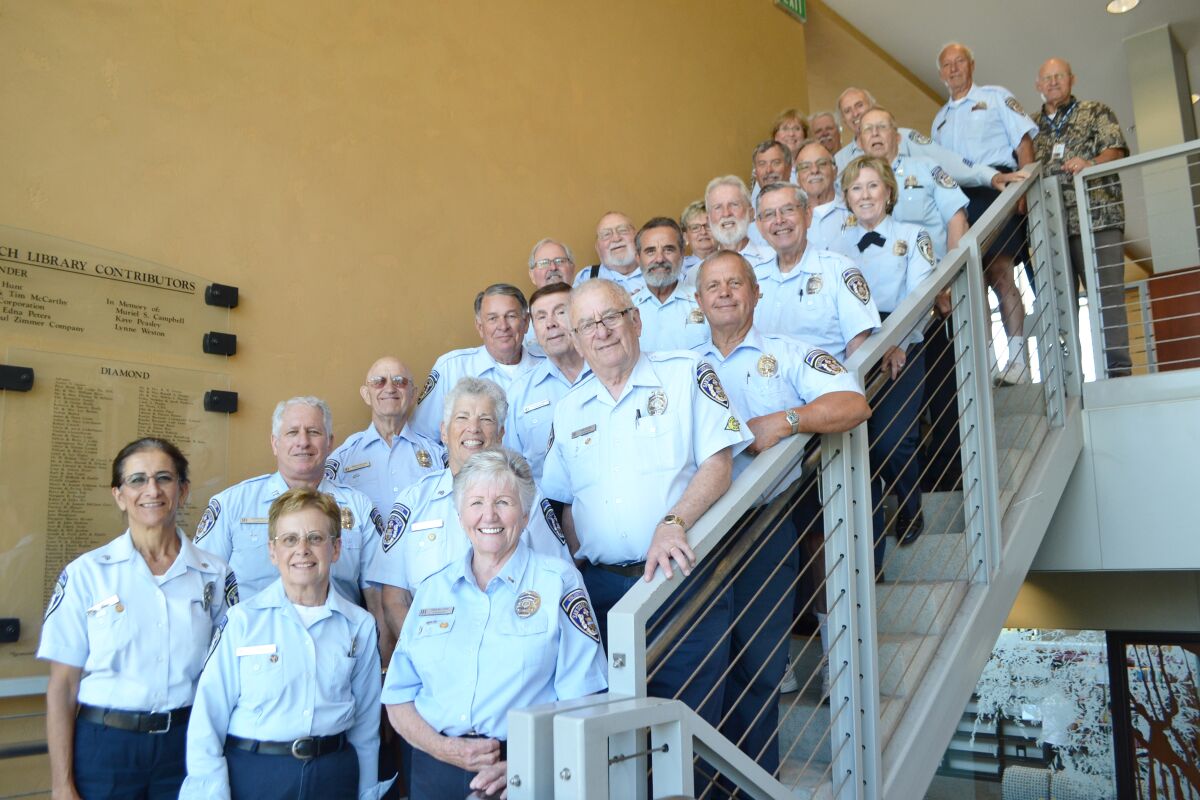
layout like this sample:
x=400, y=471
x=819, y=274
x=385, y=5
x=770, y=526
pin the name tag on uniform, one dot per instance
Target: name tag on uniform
x=436, y=612
x=583, y=431
x=427, y=524
x=256, y=650
x=535, y=406
x=103, y=604
x=1059, y=150
x=254, y=520
x=356, y=467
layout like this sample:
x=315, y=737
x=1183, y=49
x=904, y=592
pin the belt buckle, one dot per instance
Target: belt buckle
x=299, y=747
x=163, y=730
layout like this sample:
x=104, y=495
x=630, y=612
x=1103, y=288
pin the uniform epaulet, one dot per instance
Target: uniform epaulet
x=669, y=355
x=248, y=481
x=450, y=355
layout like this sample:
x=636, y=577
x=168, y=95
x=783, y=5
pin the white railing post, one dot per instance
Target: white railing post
x=1058, y=349
x=850, y=591
x=977, y=430
x=1091, y=277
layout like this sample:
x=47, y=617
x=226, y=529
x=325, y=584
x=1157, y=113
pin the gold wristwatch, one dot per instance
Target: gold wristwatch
x=674, y=519
x=793, y=419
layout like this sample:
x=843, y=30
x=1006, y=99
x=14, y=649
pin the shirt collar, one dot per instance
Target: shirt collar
x=190, y=556
x=753, y=340
x=509, y=575
x=275, y=597
x=647, y=296
x=643, y=375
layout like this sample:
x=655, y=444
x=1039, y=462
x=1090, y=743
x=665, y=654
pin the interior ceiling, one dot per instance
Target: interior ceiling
x=1011, y=40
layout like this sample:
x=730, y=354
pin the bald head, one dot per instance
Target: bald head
x=1055, y=82
x=388, y=389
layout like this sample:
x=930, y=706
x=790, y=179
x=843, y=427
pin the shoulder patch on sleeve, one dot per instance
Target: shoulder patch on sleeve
x=919, y=138
x=331, y=469
x=925, y=246
x=857, y=284
x=552, y=520
x=445, y=459
x=396, y=523
x=232, y=589
x=377, y=520
x=710, y=384
x=218, y=629
x=821, y=361
x=578, y=609
x=943, y=178
x=1013, y=105
x=430, y=382
x=60, y=591
x=207, y=520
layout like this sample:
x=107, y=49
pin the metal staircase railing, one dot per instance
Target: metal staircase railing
x=908, y=627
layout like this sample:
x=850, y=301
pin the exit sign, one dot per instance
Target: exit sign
x=794, y=7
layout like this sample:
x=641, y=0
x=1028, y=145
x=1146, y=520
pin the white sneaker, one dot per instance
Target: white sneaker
x=790, y=684
x=1014, y=372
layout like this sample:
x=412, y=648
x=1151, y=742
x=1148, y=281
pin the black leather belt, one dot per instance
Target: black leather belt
x=139, y=721
x=305, y=749
x=625, y=570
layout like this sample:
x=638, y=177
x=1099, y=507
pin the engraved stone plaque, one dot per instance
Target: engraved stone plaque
x=55, y=468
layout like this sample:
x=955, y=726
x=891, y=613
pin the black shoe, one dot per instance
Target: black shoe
x=909, y=528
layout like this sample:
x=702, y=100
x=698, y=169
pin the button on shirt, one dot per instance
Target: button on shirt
x=984, y=126
x=914, y=143
x=632, y=283
x=894, y=269
x=273, y=679
x=423, y=533
x=531, y=401
x=234, y=526
x=366, y=462
x=475, y=362
x=467, y=656
x=822, y=300
x=929, y=197
x=620, y=466
x=765, y=374
x=676, y=324
x=141, y=644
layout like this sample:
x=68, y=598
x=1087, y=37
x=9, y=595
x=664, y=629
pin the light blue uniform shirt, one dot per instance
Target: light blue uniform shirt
x=828, y=221
x=272, y=679
x=234, y=526
x=756, y=252
x=914, y=143
x=475, y=362
x=367, y=463
x=632, y=283
x=895, y=269
x=531, y=401
x=423, y=533
x=467, y=656
x=140, y=644
x=929, y=197
x=677, y=324
x=984, y=126
x=765, y=374
x=823, y=300
x=622, y=467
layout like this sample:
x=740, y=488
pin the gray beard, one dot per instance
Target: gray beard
x=718, y=233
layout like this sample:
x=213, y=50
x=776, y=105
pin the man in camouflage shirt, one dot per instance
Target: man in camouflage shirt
x=1073, y=135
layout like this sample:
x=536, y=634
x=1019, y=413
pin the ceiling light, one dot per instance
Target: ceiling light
x=1121, y=6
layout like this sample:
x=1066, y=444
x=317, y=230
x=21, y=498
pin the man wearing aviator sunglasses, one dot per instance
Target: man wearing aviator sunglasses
x=389, y=455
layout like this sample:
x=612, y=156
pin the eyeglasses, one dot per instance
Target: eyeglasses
x=1056, y=77
x=609, y=233
x=879, y=127
x=789, y=210
x=546, y=263
x=138, y=480
x=699, y=227
x=291, y=541
x=560, y=314
x=820, y=163
x=609, y=320
x=399, y=381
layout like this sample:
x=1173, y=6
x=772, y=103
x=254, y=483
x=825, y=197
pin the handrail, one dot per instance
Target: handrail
x=1161, y=154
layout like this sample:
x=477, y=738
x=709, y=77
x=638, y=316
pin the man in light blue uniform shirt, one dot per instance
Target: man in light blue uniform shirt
x=617, y=253
x=696, y=233
x=234, y=525
x=818, y=296
x=501, y=318
x=671, y=320
x=781, y=387
x=389, y=455
x=422, y=533
x=641, y=448
x=730, y=218
x=550, y=261
x=816, y=175
x=987, y=125
x=533, y=396
x=771, y=162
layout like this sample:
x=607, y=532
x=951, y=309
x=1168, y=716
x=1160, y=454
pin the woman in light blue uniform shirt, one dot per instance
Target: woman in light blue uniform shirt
x=288, y=703
x=895, y=257
x=125, y=633
x=501, y=628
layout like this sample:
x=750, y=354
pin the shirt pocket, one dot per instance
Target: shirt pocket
x=658, y=441
x=428, y=646
x=529, y=639
x=261, y=679
x=109, y=634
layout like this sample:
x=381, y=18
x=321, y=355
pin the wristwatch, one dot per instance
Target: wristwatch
x=674, y=519
x=793, y=419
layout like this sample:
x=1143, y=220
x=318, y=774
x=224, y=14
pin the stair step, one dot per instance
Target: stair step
x=902, y=661
x=1016, y=430
x=919, y=607
x=932, y=557
x=1024, y=398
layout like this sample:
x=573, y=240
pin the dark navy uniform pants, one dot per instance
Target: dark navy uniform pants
x=437, y=780
x=127, y=765
x=255, y=776
x=895, y=430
